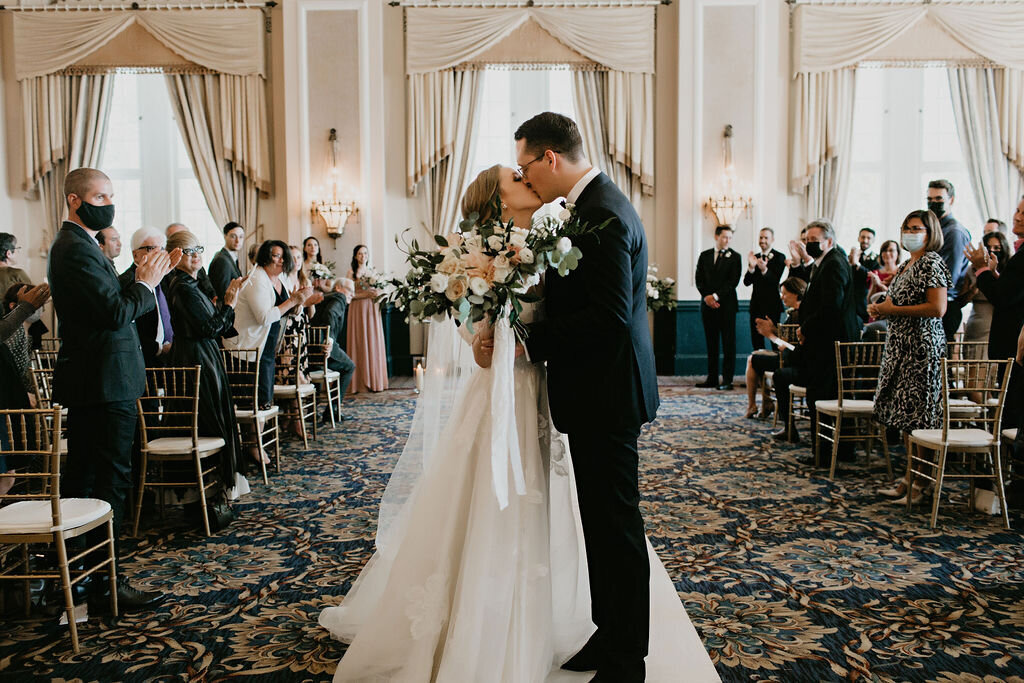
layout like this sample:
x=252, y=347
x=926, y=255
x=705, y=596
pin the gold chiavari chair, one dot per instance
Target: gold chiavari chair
x=169, y=434
x=858, y=365
x=38, y=514
x=788, y=334
x=258, y=428
x=318, y=345
x=49, y=344
x=44, y=359
x=298, y=396
x=973, y=437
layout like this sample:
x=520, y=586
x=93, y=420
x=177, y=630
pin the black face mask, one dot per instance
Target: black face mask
x=938, y=208
x=815, y=250
x=96, y=217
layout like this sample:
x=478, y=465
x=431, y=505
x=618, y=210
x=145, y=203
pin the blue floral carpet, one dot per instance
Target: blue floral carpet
x=787, y=576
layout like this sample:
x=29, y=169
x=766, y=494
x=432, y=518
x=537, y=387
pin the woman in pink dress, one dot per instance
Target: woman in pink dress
x=365, y=329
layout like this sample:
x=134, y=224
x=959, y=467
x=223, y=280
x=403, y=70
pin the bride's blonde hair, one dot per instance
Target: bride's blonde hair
x=481, y=196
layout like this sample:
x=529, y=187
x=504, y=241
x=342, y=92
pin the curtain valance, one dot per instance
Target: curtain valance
x=826, y=38
x=620, y=38
x=229, y=41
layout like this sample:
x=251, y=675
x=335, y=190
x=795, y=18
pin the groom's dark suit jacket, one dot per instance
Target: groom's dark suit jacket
x=595, y=338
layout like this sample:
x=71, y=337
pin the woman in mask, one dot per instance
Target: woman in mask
x=909, y=394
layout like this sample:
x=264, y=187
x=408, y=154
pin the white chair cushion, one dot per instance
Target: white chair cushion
x=318, y=375
x=35, y=516
x=180, y=445
x=1010, y=434
x=797, y=390
x=289, y=389
x=957, y=438
x=850, y=406
x=260, y=414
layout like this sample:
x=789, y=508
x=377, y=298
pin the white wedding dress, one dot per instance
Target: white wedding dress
x=463, y=591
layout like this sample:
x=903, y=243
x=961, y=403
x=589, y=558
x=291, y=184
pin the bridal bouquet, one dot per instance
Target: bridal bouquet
x=486, y=269
x=321, y=271
x=661, y=292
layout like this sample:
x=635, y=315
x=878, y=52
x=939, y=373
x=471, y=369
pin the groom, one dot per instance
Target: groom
x=601, y=384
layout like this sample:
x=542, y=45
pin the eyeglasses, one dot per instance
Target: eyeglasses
x=522, y=169
x=192, y=251
x=148, y=247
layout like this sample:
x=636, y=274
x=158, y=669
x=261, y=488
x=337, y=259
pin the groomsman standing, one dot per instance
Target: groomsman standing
x=225, y=267
x=863, y=261
x=764, y=272
x=718, y=275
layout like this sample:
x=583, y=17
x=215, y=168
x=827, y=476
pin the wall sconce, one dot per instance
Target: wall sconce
x=728, y=203
x=333, y=211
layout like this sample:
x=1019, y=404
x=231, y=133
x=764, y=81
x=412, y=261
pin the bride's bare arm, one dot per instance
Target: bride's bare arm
x=483, y=345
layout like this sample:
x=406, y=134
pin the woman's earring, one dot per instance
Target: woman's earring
x=504, y=206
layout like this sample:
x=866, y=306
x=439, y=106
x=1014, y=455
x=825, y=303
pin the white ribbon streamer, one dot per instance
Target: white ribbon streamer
x=504, y=434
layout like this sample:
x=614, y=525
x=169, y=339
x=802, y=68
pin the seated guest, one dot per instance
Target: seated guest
x=909, y=394
x=262, y=302
x=109, y=240
x=155, y=327
x=863, y=261
x=762, y=361
x=980, y=320
x=199, y=325
x=764, y=272
x=330, y=313
x=225, y=267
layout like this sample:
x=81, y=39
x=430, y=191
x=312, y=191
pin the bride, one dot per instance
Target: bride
x=472, y=582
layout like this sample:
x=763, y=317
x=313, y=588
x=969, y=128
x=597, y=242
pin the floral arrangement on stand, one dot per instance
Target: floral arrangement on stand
x=487, y=268
x=661, y=292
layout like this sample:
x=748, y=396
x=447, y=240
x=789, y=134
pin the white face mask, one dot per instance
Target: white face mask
x=912, y=241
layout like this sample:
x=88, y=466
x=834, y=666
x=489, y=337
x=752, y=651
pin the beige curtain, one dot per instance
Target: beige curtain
x=820, y=152
x=1010, y=102
x=446, y=181
x=66, y=119
x=223, y=123
x=994, y=179
x=593, y=105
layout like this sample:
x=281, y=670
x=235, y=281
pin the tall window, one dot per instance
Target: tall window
x=144, y=155
x=904, y=134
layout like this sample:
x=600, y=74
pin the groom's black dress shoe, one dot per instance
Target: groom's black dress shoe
x=725, y=387
x=784, y=434
x=707, y=384
x=589, y=658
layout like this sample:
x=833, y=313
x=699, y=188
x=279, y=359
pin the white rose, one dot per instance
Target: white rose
x=654, y=294
x=564, y=215
x=495, y=242
x=532, y=280
x=438, y=282
x=526, y=255
x=518, y=240
x=669, y=281
x=473, y=240
x=478, y=286
x=569, y=206
x=564, y=245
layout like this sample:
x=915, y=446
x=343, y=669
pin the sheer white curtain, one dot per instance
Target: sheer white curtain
x=65, y=126
x=223, y=124
x=994, y=179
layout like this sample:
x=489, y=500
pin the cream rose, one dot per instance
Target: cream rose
x=457, y=288
x=564, y=215
x=564, y=245
x=526, y=255
x=495, y=242
x=518, y=240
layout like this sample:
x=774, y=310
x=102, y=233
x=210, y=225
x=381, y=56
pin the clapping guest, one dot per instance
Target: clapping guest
x=955, y=238
x=889, y=257
x=155, y=328
x=799, y=261
x=331, y=314
x=863, y=262
x=224, y=267
x=200, y=324
x=762, y=361
x=365, y=328
x=764, y=272
x=979, y=323
x=205, y=286
x=262, y=302
x=18, y=342
x=909, y=394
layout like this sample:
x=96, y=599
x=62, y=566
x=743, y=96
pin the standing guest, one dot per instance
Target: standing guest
x=979, y=323
x=310, y=254
x=200, y=325
x=828, y=314
x=18, y=342
x=224, y=267
x=100, y=373
x=889, y=257
x=1004, y=288
x=909, y=394
x=955, y=238
x=764, y=272
x=863, y=262
x=718, y=275
x=295, y=275
x=253, y=249
x=205, y=286
x=992, y=225
x=799, y=261
x=109, y=240
x=9, y=272
x=156, y=331
x=174, y=227
x=365, y=329
x=262, y=302
x=331, y=314
x=761, y=361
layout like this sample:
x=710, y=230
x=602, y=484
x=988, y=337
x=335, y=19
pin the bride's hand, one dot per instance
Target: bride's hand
x=483, y=347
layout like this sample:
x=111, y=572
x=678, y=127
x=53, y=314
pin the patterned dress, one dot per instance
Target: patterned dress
x=909, y=394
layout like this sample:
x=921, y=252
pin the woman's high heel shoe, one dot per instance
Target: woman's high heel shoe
x=899, y=488
x=750, y=413
x=917, y=495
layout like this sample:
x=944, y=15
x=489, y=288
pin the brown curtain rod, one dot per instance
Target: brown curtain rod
x=137, y=6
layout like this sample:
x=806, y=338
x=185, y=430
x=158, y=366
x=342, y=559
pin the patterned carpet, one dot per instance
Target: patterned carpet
x=787, y=576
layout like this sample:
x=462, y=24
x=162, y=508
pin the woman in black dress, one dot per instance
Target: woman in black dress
x=198, y=325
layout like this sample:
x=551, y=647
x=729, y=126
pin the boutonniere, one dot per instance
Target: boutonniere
x=728, y=253
x=567, y=213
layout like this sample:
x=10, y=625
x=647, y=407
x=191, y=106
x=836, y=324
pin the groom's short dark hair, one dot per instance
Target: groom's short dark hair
x=552, y=131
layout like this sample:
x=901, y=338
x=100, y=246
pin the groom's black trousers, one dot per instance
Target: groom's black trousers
x=606, y=466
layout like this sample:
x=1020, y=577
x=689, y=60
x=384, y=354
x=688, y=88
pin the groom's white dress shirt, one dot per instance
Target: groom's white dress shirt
x=581, y=185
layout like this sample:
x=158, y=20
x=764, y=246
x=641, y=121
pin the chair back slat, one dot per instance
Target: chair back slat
x=31, y=440
x=985, y=378
x=243, y=371
x=43, y=359
x=858, y=365
x=317, y=345
x=42, y=380
x=286, y=367
x=49, y=344
x=170, y=406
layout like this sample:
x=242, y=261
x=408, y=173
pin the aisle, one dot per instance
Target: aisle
x=784, y=575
